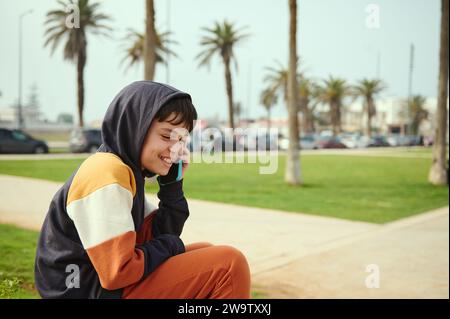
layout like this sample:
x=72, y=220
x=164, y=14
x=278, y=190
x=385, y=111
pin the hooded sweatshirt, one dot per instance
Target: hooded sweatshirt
x=95, y=240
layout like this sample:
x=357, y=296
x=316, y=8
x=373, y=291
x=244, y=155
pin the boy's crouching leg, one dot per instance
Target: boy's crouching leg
x=208, y=272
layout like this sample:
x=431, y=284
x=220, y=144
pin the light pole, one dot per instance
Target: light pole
x=408, y=104
x=19, y=107
x=168, y=52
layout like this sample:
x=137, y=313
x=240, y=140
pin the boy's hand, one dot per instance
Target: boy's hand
x=179, y=151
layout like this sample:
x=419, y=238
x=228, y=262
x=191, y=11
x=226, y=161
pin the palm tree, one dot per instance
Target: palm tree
x=268, y=100
x=438, y=174
x=333, y=91
x=150, y=41
x=221, y=39
x=276, y=79
x=135, y=51
x=368, y=89
x=293, y=173
x=417, y=112
x=75, y=48
x=238, y=111
x=308, y=92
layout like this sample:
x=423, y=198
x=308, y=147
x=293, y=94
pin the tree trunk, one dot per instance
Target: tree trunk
x=310, y=112
x=334, y=117
x=338, y=117
x=310, y=116
x=292, y=174
x=149, y=42
x=438, y=172
x=229, y=87
x=303, y=106
x=81, y=62
x=268, y=119
x=369, y=117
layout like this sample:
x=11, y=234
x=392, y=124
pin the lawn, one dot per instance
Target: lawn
x=50, y=136
x=372, y=189
x=363, y=188
x=17, y=251
x=59, y=150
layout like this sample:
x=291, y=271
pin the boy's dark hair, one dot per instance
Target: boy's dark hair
x=184, y=110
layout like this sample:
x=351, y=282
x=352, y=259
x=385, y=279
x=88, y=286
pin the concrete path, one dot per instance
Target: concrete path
x=293, y=255
x=410, y=258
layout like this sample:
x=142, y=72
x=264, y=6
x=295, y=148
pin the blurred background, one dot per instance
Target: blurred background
x=350, y=96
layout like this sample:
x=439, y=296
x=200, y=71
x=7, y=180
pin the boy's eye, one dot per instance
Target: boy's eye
x=166, y=137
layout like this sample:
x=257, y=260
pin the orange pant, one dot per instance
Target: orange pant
x=204, y=271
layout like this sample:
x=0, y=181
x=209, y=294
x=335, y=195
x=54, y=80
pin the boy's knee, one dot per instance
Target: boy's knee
x=198, y=245
x=236, y=258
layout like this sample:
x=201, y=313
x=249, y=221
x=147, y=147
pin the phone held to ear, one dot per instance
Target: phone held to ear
x=175, y=174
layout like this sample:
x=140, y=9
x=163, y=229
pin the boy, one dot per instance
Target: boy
x=102, y=239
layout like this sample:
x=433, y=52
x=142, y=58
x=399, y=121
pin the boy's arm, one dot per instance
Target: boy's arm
x=173, y=210
x=100, y=207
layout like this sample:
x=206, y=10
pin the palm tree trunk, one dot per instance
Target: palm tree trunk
x=268, y=119
x=305, y=125
x=292, y=173
x=311, y=124
x=229, y=87
x=81, y=62
x=334, y=117
x=369, y=117
x=310, y=116
x=438, y=172
x=338, y=118
x=149, y=42
x=303, y=107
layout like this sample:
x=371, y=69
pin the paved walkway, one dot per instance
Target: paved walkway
x=294, y=255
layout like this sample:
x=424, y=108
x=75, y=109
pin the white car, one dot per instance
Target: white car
x=307, y=142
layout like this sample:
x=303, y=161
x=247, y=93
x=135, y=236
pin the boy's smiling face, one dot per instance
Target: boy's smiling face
x=163, y=145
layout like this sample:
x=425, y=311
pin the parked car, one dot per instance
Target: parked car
x=405, y=140
x=86, y=140
x=428, y=141
x=18, y=142
x=378, y=141
x=329, y=142
x=261, y=142
x=308, y=142
x=351, y=140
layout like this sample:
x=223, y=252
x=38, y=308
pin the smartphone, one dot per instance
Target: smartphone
x=175, y=173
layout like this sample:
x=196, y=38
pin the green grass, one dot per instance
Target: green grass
x=258, y=295
x=53, y=170
x=59, y=150
x=363, y=188
x=17, y=251
x=51, y=136
x=372, y=189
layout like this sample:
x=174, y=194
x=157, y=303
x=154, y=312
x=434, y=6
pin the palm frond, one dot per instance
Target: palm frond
x=221, y=38
x=90, y=22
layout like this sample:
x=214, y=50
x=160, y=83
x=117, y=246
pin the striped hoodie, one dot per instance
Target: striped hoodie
x=95, y=238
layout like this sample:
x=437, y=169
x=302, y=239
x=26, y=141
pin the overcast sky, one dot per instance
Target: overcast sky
x=333, y=39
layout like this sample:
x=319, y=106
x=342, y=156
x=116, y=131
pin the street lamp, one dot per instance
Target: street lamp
x=20, y=67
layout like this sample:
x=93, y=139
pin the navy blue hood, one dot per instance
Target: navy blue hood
x=128, y=119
